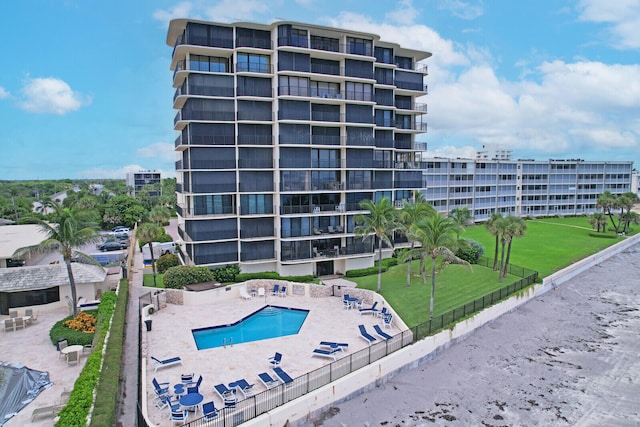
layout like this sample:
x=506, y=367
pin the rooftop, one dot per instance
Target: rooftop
x=47, y=276
x=14, y=237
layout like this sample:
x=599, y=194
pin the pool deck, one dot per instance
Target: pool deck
x=171, y=336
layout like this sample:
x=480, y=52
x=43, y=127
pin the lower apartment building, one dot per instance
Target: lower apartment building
x=284, y=128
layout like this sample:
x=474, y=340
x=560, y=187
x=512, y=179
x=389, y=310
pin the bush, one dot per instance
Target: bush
x=182, y=275
x=163, y=238
x=73, y=337
x=83, y=322
x=226, y=274
x=364, y=271
x=270, y=275
x=472, y=252
x=167, y=261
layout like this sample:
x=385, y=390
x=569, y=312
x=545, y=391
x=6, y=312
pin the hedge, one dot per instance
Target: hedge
x=386, y=263
x=76, y=411
x=270, y=275
x=183, y=275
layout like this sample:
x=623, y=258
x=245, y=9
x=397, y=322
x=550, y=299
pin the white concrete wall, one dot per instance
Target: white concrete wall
x=305, y=269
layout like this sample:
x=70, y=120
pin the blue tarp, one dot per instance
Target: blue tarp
x=19, y=385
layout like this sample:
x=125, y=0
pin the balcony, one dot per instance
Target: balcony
x=419, y=87
x=254, y=67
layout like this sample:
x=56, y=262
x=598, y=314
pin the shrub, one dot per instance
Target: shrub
x=472, y=252
x=167, y=261
x=364, y=271
x=226, y=274
x=73, y=337
x=182, y=275
x=271, y=275
x=83, y=322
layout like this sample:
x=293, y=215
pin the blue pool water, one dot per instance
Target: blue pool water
x=268, y=322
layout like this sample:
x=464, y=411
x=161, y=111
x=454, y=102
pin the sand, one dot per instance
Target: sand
x=568, y=357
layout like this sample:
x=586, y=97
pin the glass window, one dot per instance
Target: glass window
x=325, y=89
x=294, y=86
x=359, y=91
x=253, y=63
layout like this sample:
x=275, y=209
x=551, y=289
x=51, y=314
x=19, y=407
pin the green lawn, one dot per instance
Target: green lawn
x=455, y=285
x=549, y=244
x=147, y=280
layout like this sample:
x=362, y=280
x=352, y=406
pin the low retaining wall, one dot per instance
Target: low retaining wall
x=313, y=404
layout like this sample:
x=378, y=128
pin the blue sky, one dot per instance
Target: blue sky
x=85, y=87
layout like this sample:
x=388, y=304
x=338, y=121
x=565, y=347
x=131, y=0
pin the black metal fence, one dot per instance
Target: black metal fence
x=143, y=300
x=267, y=400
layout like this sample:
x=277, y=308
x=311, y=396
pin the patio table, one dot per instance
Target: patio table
x=191, y=401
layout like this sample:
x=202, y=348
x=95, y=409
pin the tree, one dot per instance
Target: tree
x=492, y=228
x=123, y=210
x=68, y=232
x=159, y=214
x=462, y=216
x=598, y=221
x=436, y=235
x=626, y=202
x=607, y=202
x=410, y=213
x=149, y=232
x=516, y=227
x=380, y=221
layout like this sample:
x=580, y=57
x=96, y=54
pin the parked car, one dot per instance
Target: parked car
x=120, y=229
x=15, y=262
x=111, y=246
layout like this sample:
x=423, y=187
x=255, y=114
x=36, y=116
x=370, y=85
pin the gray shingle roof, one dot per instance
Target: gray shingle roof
x=46, y=276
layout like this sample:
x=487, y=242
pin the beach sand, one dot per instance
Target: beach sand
x=568, y=357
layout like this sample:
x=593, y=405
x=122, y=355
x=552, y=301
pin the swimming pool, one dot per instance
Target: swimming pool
x=268, y=322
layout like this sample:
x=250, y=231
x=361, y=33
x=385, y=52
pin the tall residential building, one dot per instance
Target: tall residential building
x=284, y=129
x=137, y=181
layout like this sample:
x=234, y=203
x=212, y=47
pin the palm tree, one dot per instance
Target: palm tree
x=410, y=213
x=69, y=231
x=516, y=227
x=598, y=221
x=148, y=232
x=436, y=235
x=492, y=228
x=159, y=214
x=462, y=216
x=380, y=221
x=607, y=201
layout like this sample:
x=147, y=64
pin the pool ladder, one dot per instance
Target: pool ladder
x=224, y=342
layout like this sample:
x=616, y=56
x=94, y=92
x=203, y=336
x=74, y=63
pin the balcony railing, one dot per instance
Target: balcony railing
x=254, y=67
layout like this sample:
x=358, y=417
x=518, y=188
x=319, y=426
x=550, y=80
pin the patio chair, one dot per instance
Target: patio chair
x=179, y=416
x=209, y=410
x=244, y=294
x=331, y=229
x=34, y=316
x=368, y=310
x=245, y=388
x=87, y=348
x=62, y=344
x=276, y=360
x=387, y=321
x=275, y=290
x=267, y=380
x=19, y=323
x=73, y=358
x=187, y=378
x=282, y=375
x=283, y=292
x=321, y=352
x=366, y=335
x=195, y=384
x=166, y=362
x=260, y=292
x=160, y=388
x=379, y=332
x=382, y=312
x=13, y=314
x=8, y=325
x=28, y=312
x=342, y=346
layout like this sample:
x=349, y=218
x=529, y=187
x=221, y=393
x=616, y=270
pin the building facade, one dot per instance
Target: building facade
x=283, y=130
x=145, y=179
x=522, y=187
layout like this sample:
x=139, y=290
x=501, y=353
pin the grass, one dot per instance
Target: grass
x=147, y=280
x=549, y=244
x=455, y=285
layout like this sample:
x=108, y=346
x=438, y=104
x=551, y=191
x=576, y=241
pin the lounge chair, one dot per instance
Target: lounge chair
x=166, y=362
x=321, y=352
x=382, y=334
x=275, y=290
x=282, y=375
x=209, y=410
x=267, y=380
x=244, y=294
x=365, y=335
x=276, y=359
x=223, y=391
x=372, y=309
x=283, y=292
x=245, y=388
x=342, y=346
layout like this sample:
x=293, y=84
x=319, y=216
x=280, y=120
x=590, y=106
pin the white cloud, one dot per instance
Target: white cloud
x=4, y=93
x=238, y=10
x=405, y=14
x=452, y=152
x=120, y=173
x=623, y=16
x=50, y=95
x=161, y=150
x=181, y=10
x=462, y=9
